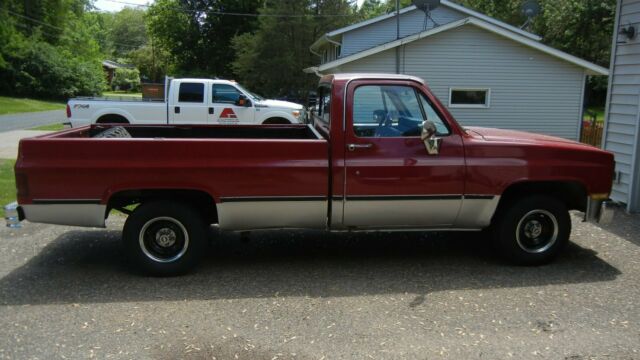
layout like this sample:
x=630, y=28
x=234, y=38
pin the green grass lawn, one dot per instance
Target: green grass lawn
x=50, y=127
x=598, y=110
x=10, y=105
x=7, y=183
x=121, y=94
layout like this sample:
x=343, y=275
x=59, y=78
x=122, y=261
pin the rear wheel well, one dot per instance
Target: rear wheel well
x=112, y=119
x=200, y=200
x=572, y=194
x=276, y=120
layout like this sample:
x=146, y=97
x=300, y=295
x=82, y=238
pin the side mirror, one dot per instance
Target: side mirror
x=243, y=101
x=428, y=136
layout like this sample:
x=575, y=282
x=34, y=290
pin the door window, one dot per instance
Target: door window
x=386, y=111
x=191, y=92
x=222, y=93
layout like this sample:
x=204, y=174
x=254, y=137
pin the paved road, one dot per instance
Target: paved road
x=31, y=119
x=67, y=292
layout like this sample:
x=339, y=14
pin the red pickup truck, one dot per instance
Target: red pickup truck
x=382, y=153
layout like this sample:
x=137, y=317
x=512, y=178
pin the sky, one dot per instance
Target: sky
x=108, y=5
x=115, y=5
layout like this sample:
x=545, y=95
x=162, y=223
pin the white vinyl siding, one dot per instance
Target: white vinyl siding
x=621, y=136
x=411, y=22
x=530, y=91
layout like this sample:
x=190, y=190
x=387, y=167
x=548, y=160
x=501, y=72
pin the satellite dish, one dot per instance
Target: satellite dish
x=427, y=6
x=530, y=9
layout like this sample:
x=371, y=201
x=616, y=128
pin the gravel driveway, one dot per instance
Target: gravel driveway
x=67, y=292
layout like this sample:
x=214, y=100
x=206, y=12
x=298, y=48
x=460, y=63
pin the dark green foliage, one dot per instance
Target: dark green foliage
x=270, y=60
x=198, y=38
x=126, y=79
x=49, y=51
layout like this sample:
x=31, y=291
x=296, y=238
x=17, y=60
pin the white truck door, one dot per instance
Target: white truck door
x=224, y=102
x=187, y=104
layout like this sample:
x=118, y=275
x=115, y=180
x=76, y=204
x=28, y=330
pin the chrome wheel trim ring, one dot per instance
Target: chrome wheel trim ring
x=148, y=253
x=549, y=242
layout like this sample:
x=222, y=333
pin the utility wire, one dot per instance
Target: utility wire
x=55, y=27
x=224, y=13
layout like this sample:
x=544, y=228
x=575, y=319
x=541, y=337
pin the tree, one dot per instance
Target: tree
x=198, y=33
x=270, y=60
x=48, y=50
x=153, y=62
x=127, y=31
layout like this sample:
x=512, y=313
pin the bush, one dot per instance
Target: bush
x=34, y=68
x=126, y=79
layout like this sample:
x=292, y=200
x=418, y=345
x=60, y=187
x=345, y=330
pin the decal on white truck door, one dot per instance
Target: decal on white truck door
x=228, y=116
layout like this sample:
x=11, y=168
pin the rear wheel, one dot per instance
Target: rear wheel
x=532, y=230
x=165, y=238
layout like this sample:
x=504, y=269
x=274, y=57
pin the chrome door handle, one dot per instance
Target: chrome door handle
x=353, y=147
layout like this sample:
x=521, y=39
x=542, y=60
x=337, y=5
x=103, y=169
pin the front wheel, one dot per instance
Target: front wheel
x=532, y=230
x=165, y=238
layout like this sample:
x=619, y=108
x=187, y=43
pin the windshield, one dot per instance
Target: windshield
x=253, y=95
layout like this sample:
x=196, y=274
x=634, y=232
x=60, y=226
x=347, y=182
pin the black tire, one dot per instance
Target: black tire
x=114, y=132
x=532, y=230
x=165, y=238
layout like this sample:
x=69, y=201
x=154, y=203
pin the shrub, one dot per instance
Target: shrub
x=34, y=68
x=126, y=79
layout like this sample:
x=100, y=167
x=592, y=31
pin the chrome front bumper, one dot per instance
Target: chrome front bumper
x=599, y=211
x=13, y=215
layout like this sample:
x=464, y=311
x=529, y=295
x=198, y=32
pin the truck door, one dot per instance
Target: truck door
x=390, y=179
x=224, y=107
x=187, y=105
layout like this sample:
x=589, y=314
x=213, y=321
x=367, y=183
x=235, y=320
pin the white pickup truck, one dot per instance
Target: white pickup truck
x=187, y=101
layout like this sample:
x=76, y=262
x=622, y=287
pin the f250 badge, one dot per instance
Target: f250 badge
x=81, y=106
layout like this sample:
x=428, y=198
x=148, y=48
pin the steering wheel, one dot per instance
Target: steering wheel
x=384, y=118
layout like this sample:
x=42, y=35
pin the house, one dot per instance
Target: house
x=622, y=113
x=110, y=67
x=487, y=72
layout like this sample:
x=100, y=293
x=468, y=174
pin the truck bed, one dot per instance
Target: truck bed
x=277, y=175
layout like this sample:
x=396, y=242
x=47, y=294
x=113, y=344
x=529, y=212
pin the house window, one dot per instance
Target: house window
x=469, y=97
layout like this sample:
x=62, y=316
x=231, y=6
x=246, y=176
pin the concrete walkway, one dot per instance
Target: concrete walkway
x=32, y=119
x=9, y=141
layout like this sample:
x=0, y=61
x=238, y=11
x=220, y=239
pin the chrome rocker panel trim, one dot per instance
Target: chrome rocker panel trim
x=75, y=214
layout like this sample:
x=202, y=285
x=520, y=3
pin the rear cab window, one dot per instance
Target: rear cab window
x=322, y=110
x=191, y=92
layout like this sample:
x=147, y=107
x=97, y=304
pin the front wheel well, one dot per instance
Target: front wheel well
x=200, y=200
x=572, y=193
x=276, y=120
